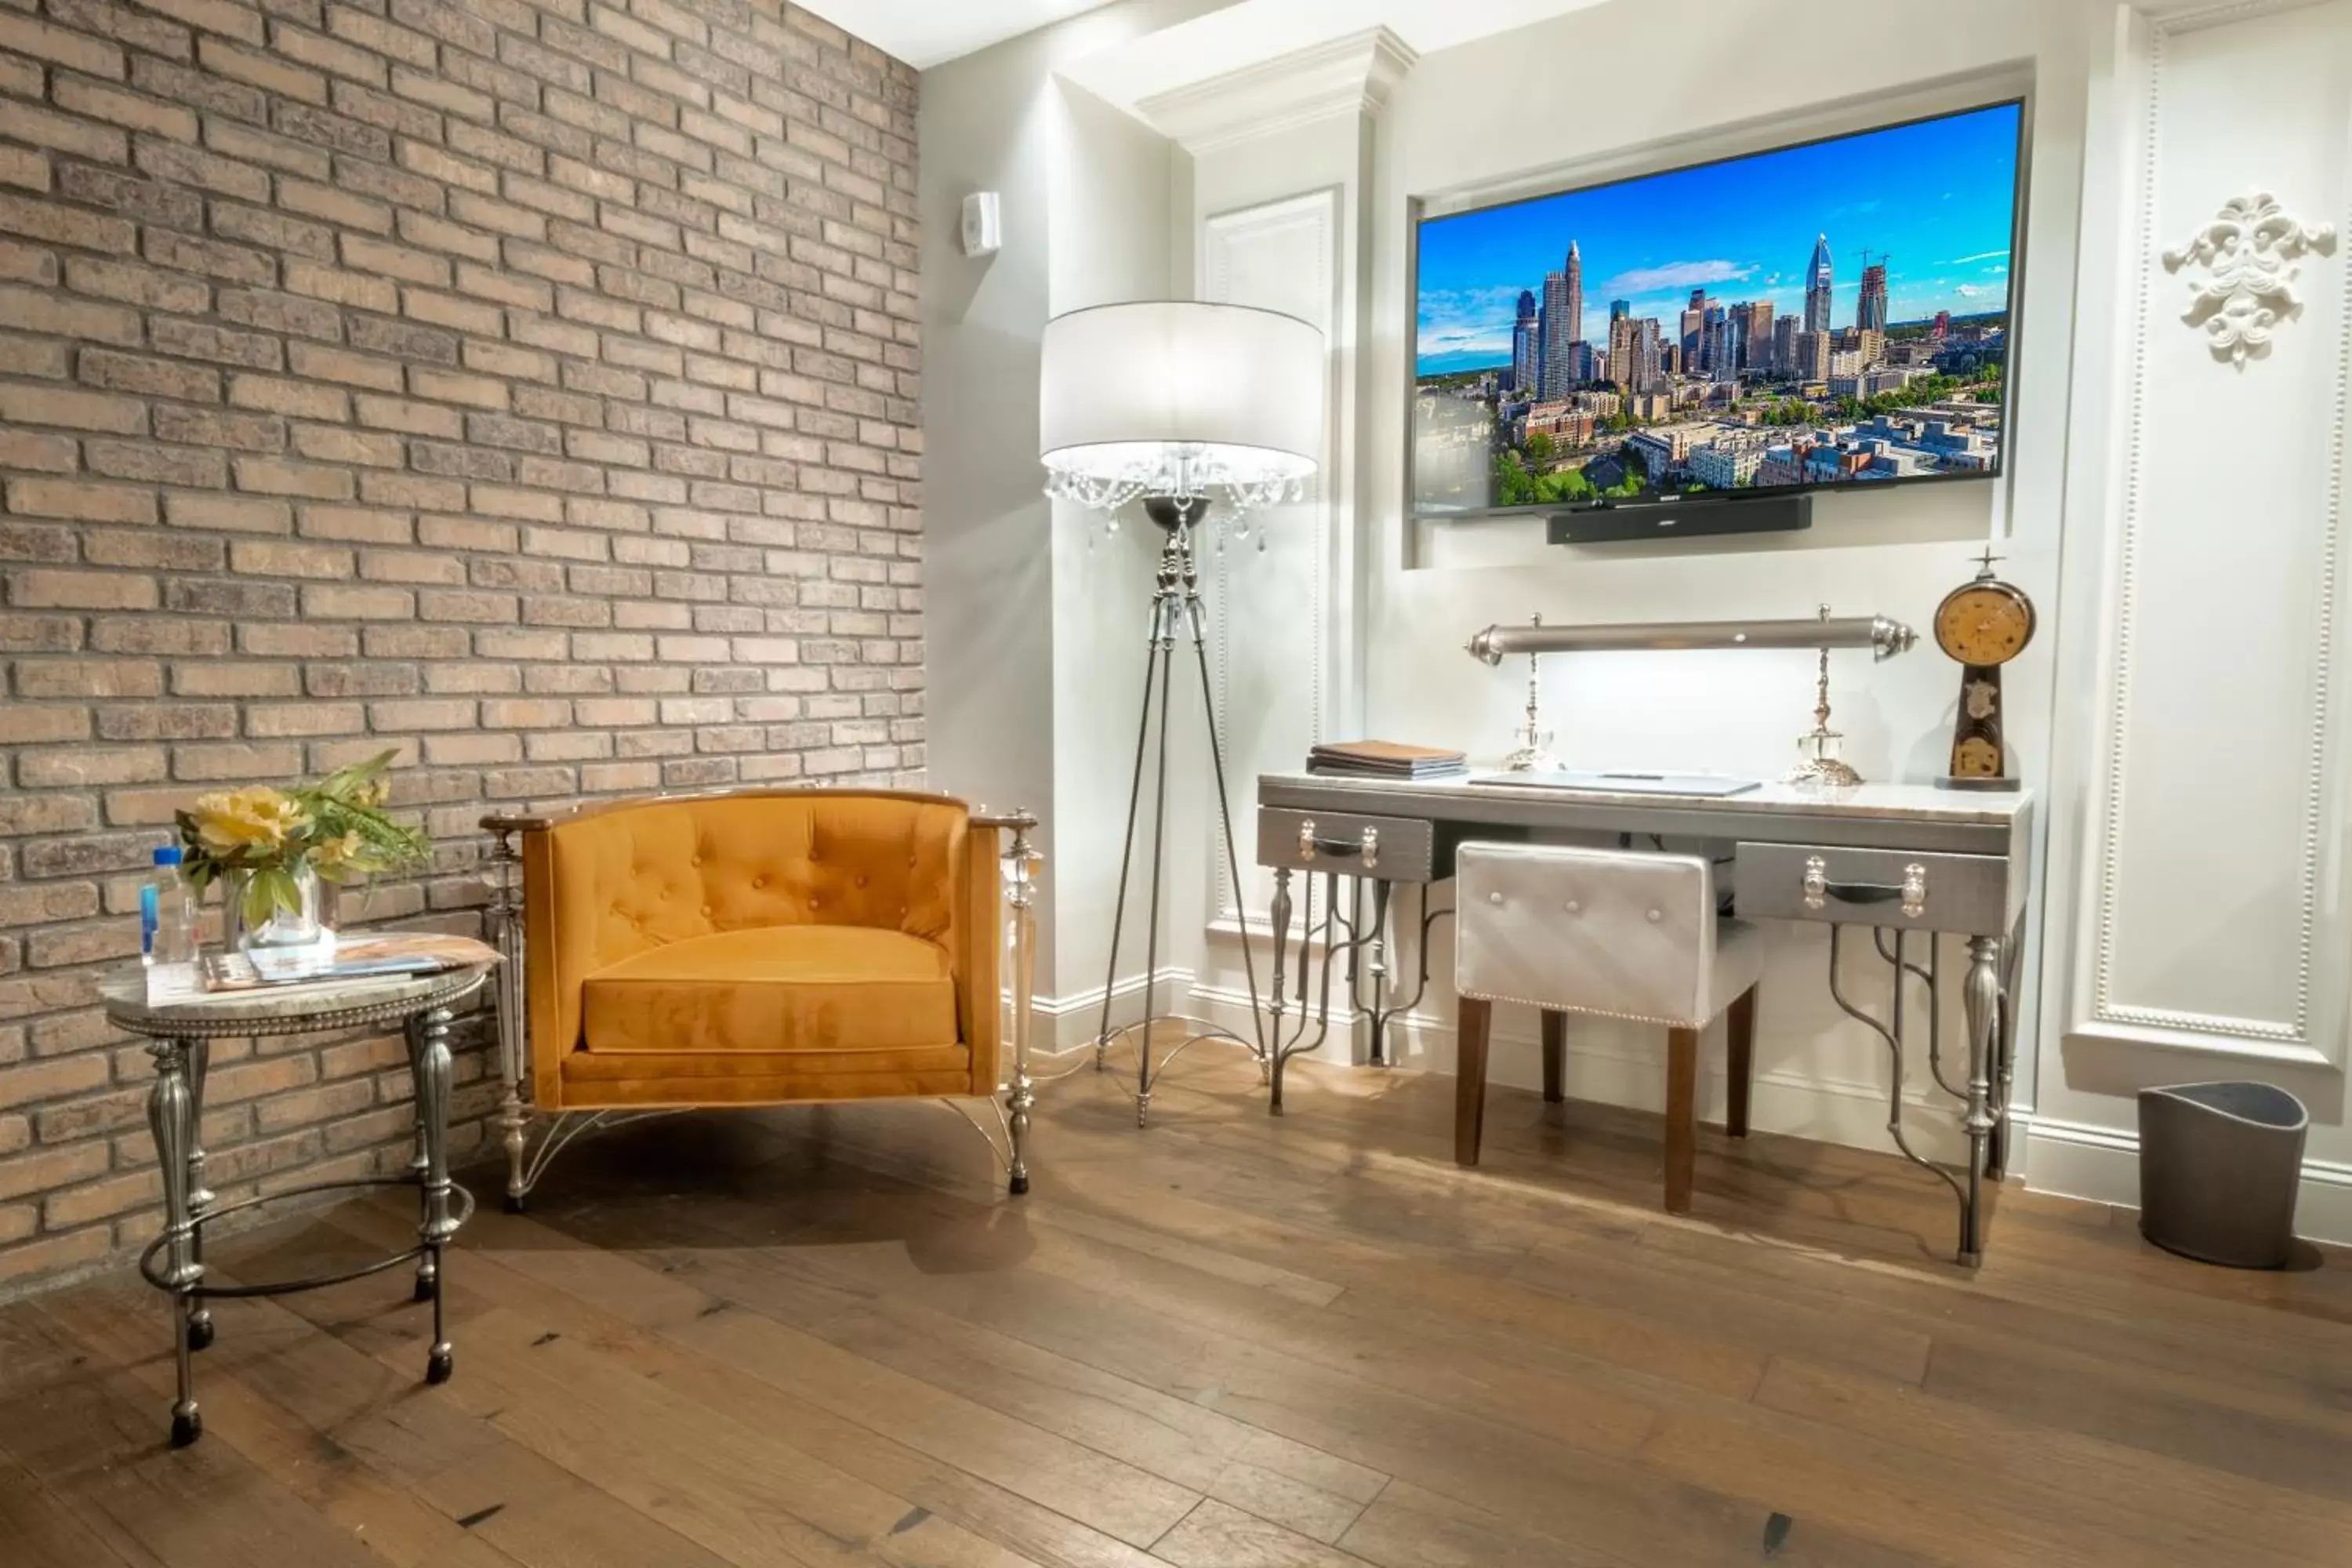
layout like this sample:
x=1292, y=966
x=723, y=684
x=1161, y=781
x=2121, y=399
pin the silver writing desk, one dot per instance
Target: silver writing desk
x=1896, y=859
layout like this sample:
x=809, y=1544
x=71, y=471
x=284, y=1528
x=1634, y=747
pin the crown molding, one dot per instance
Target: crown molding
x=1347, y=75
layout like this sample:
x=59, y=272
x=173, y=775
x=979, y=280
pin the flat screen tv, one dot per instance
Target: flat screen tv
x=1831, y=314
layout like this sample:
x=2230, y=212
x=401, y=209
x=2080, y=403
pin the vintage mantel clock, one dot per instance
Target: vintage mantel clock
x=1983, y=623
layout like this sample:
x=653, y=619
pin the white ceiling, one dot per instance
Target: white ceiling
x=926, y=32
x=1244, y=33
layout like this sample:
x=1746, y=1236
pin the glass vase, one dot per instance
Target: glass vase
x=303, y=926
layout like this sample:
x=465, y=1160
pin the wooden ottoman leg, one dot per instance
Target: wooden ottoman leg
x=1682, y=1118
x=1474, y=1022
x=1742, y=1025
x=1555, y=1056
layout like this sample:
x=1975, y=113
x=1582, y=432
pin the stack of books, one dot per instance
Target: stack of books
x=398, y=955
x=338, y=963
x=1384, y=759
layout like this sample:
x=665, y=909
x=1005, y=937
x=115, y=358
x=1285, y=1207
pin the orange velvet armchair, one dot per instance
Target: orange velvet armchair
x=757, y=947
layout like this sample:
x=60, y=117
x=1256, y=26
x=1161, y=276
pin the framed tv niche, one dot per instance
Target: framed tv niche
x=1706, y=348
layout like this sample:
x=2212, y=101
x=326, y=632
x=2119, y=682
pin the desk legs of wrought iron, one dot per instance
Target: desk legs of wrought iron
x=1982, y=999
x=1380, y=1010
x=1280, y=912
x=2005, y=1061
x=1278, y=1050
x=429, y=1063
x=1986, y=1001
x=170, y=1108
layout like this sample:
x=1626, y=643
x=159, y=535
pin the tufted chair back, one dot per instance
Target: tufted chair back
x=1626, y=934
x=623, y=878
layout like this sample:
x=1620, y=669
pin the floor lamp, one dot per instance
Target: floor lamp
x=1181, y=405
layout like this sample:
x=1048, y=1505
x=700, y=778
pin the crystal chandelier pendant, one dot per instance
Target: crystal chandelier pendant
x=1106, y=479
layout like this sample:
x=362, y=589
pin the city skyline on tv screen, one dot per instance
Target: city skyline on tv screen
x=1837, y=312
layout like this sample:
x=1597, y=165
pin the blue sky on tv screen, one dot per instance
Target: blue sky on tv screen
x=1936, y=199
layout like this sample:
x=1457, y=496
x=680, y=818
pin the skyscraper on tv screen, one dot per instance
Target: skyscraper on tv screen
x=1526, y=345
x=1871, y=315
x=1817, y=275
x=1563, y=324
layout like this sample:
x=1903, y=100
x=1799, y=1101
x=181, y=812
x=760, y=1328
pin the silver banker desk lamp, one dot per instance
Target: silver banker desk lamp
x=1181, y=405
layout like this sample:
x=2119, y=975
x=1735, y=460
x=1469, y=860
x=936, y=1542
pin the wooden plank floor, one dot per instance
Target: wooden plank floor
x=822, y=1336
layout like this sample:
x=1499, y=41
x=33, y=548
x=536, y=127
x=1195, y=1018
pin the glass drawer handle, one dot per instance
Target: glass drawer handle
x=1367, y=848
x=1911, y=892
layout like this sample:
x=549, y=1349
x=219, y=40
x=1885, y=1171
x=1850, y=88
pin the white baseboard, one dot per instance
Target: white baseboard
x=1066, y=1023
x=2102, y=1163
x=2067, y=1159
x=1827, y=1109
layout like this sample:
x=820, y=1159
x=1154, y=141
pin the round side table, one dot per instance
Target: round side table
x=180, y=1040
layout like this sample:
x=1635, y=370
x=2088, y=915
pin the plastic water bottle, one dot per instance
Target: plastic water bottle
x=167, y=913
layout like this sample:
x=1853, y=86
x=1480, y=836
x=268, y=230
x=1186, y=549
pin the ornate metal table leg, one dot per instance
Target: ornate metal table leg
x=168, y=1117
x=2005, y=1059
x=428, y=1266
x=514, y=1118
x=433, y=1075
x=200, y=1196
x=1019, y=867
x=1276, y=1054
x=1982, y=1001
x=1380, y=974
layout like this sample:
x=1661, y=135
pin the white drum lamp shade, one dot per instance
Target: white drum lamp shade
x=1180, y=398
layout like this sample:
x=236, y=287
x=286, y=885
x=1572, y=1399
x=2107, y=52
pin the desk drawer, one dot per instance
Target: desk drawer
x=1969, y=893
x=1392, y=849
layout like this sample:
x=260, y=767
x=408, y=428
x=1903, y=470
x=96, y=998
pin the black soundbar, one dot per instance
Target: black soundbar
x=1697, y=517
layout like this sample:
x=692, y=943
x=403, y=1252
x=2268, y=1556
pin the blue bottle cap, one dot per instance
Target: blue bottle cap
x=169, y=854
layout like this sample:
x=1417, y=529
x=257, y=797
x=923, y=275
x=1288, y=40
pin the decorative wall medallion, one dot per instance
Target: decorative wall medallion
x=2249, y=252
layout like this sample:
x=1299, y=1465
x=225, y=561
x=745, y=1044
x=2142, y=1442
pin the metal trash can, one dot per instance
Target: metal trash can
x=2219, y=1167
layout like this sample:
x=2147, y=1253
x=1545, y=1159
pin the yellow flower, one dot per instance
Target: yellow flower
x=337, y=854
x=257, y=817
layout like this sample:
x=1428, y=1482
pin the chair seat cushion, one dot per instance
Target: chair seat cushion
x=775, y=988
x=1623, y=935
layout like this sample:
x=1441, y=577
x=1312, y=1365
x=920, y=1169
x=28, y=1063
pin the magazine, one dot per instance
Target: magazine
x=390, y=956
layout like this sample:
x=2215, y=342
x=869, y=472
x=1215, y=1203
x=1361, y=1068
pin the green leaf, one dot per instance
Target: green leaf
x=267, y=893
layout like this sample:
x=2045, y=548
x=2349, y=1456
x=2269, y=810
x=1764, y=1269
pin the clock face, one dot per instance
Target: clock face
x=1984, y=624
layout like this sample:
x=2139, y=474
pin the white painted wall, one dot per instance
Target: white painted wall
x=2198, y=912
x=986, y=124
x=1113, y=240
x=2226, y=953
x=1022, y=614
x=1486, y=118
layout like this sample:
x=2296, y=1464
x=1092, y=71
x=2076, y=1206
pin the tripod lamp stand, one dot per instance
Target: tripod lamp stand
x=1181, y=405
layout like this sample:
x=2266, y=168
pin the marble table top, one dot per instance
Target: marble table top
x=280, y=1010
x=1883, y=802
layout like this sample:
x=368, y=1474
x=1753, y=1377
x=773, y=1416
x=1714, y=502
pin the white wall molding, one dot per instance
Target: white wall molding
x=1272, y=596
x=2077, y=1160
x=1347, y=75
x=2245, y=255
x=2212, y=916
x=1067, y=1022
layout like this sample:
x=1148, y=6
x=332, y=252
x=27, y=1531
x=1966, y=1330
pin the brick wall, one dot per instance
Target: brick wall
x=528, y=385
